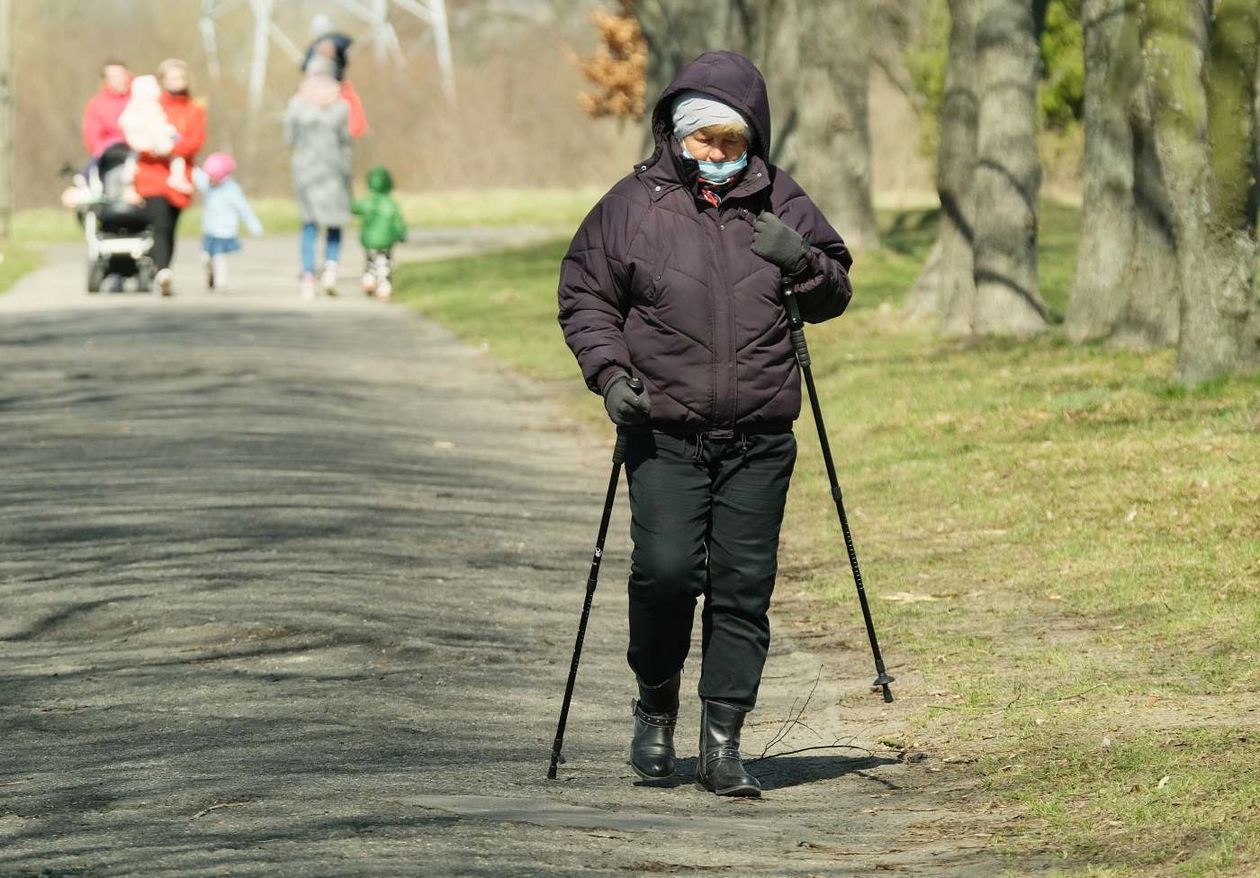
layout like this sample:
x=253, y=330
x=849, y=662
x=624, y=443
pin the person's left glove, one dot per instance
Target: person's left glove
x=775, y=241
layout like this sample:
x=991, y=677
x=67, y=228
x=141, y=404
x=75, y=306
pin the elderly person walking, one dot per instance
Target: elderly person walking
x=675, y=278
x=316, y=126
x=164, y=175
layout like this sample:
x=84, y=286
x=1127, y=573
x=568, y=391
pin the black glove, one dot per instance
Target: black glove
x=625, y=407
x=775, y=241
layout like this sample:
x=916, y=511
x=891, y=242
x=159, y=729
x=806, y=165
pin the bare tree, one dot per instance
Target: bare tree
x=833, y=158
x=1201, y=63
x=946, y=290
x=1126, y=288
x=1008, y=169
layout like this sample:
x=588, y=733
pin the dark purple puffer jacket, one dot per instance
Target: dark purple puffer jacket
x=663, y=285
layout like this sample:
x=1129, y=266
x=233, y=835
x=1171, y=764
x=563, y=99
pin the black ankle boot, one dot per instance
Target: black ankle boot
x=655, y=715
x=719, y=769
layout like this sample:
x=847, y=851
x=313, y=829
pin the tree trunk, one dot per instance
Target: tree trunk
x=1108, y=227
x=1008, y=171
x=1202, y=72
x=1150, y=316
x=1126, y=289
x=1255, y=139
x=833, y=150
x=816, y=60
x=946, y=290
x=675, y=34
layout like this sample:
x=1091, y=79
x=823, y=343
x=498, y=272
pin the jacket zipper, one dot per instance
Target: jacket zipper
x=724, y=419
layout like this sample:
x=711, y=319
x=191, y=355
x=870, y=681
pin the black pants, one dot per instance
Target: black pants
x=705, y=520
x=164, y=216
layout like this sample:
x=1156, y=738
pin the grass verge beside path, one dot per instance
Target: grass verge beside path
x=1063, y=550
x=16, y=261
x=562, y=208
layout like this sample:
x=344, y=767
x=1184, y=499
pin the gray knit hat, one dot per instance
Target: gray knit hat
x=694, y=110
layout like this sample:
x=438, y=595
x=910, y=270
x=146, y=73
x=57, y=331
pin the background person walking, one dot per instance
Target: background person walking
x=383, y=227
x=225, y=209
x=316, y=127
x=100, y=126
x=163, y=200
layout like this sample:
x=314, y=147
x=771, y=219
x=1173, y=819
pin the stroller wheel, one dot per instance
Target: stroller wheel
x=96, y=275
x=144, y=278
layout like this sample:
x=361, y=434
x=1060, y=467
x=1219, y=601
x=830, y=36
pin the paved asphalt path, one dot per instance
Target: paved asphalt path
x=290, y=588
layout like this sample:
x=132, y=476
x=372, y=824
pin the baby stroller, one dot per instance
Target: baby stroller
x=117, y=228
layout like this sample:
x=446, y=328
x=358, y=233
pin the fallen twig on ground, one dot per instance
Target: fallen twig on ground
x=218, y=805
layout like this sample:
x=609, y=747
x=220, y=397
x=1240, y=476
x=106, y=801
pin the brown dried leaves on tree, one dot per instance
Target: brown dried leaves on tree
x=618, y=68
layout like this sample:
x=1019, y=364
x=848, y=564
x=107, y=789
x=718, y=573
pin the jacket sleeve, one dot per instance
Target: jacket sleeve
x=246, y=213
x=400, y=226
x=290, y=123
x=592, y=298
x=201, y=180
x=358, y=118
x=823, y=290
x=91, y=128
x=192, y=135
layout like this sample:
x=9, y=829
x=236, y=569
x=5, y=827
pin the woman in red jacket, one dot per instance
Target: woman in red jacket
x=153, y=171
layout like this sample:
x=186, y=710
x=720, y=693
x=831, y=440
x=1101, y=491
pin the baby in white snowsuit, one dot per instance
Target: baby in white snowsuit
x=147, y=129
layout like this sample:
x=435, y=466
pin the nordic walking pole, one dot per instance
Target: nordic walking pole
x=618, y=457
x=796, y=327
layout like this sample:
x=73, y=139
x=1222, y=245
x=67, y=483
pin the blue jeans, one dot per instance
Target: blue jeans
x=332, y=246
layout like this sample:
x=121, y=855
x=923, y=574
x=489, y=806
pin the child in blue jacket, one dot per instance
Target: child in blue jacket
x=224, y=210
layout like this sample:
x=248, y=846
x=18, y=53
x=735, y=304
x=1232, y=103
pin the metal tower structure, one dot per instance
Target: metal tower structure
x=373, y=16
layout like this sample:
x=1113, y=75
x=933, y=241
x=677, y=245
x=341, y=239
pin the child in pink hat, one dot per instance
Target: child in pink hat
x=224, y=210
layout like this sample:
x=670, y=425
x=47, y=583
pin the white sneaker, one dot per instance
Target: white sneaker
x=165, y=282
x=384, y=291
x=329, y=278
x=308, y=286
x=369, y=283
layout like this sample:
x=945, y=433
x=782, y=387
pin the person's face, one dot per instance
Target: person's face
x=116, y=78
x=328, y=49
x=707, y=146
x=175, y=79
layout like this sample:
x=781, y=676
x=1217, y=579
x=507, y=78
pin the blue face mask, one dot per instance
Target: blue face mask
x=718, y=172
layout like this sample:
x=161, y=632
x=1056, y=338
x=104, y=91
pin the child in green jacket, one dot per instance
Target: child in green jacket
x=383, y=227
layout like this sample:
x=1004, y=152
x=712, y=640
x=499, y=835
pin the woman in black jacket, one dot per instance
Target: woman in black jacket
x=675, y=278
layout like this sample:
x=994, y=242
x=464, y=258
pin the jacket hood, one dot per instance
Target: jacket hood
x=380, y=181
x=732, y=79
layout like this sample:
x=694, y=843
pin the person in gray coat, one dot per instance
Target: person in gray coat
x=316, y=127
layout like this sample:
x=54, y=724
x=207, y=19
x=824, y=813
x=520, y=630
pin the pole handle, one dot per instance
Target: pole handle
x=800, y=347
x=623, y=436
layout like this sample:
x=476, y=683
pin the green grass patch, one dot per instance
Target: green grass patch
x=16, y=261
x=1080, y=536
x=559, y=208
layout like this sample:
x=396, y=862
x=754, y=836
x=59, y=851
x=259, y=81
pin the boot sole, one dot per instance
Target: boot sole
x=741, y=791
x=650, y=777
